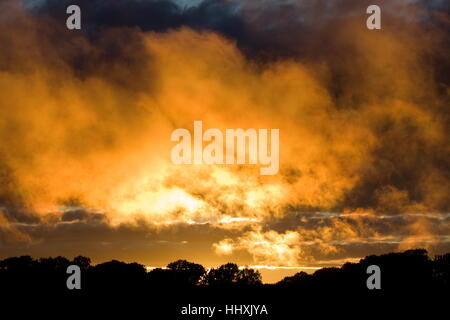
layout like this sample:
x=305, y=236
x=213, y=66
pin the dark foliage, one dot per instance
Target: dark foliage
x=229, y=275
x=411, y=271
x=180, y=273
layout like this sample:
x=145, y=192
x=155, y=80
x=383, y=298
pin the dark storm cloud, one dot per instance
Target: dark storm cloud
x=271, y=28
x=151, y=15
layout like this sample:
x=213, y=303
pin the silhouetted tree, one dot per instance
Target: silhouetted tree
x=299, y=279
x=248, y=277
x=441, y=270
x=17, y=264
x=230, y=275
x=225, y=275
x=180, y=273
x=83, y=262
x=161, y=278
x=185, y=272
x=18, y=272
x=411, y=269
x=118, y=275
x=58, y=264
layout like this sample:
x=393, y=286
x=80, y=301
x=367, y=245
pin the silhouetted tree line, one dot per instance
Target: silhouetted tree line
x=50, y=274
x=409, y=270
x=412, y=269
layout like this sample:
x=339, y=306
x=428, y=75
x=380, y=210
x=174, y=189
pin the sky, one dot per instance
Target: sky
x=86, y=118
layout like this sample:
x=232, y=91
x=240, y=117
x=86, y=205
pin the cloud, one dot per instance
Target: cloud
x=363, y=118
x=317, y=239
x=269, y=248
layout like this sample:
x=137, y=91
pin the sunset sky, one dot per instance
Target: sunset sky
x=86, y=118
